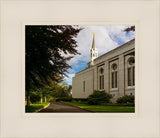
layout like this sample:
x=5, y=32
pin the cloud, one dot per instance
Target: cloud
x=69, y=78
x=106, y=38
x=117, y=34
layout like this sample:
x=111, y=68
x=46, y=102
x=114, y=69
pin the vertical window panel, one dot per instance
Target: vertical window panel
x=131, y=72
x=112, y=79
x=116, y=79
x=129, y=76
x=133, y=76
x=83, y=86
x=102, y=81
x=114, y=76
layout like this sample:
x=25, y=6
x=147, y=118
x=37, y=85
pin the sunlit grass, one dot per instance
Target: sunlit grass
x=105, y=108
x=35, y=107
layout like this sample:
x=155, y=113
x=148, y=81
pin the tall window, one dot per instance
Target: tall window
x=112, y=79
x=133, y=75
x=115, y=79
x=114, y=76
x=83, y=86
x=131, y=71
x=129, y=77
x=101, y=79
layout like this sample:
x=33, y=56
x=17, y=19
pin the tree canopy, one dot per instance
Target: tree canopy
x=52, y=92
x=45, y=45
x=131, y=28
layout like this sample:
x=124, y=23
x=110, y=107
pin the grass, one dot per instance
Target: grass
x=108, y=108
x=35, y=107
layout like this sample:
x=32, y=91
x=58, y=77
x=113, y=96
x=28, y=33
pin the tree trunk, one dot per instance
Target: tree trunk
x=45, y=99
x=28, y=100
x=41, y=99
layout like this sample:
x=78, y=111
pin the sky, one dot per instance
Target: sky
x=106, y=38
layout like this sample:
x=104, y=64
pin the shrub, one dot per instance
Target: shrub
x=66, y=99
x=80, y=99
x=126, y=99
x=99, y=97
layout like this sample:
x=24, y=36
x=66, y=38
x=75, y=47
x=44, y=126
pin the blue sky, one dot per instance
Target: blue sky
x=106, y=38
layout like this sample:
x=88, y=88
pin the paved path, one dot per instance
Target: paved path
x=63, y=108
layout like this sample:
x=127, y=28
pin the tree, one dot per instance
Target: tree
x=131, y=28
x=45, y=46
x=48, y=93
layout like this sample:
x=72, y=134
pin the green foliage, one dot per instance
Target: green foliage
x=99, y=97
x=60, y=90
x=67, y=99
x=56, y=91
x=35, y=97
x=45, y=62
x=34, y=107
x=80, y=99
x=126, y=99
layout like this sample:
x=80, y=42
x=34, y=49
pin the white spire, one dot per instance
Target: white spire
x=93, y=43
x=94, y=51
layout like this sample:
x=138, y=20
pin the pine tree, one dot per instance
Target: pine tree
x=44, y=60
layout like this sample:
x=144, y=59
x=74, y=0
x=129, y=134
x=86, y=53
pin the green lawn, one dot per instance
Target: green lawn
x=35, y=107
x=110, y=108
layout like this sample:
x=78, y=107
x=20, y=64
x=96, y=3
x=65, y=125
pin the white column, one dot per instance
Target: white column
x=121, y=76
x=106, y=77
x=95, y=78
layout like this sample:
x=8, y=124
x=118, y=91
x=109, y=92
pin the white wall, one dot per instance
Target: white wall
x=91, y=75
x=77, y=85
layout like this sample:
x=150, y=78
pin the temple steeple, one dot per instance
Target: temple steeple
x=93, y=43
x=94, y=51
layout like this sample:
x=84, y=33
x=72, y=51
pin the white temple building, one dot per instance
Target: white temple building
x=113, y=72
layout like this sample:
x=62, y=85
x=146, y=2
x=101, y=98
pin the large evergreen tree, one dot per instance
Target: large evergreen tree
x=44, y=59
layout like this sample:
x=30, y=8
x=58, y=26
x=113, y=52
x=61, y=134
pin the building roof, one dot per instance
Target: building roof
x=131, y=41
x=116, y=48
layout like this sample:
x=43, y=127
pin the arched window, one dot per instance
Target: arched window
x=101, y=79
x=131, y=71
x=114, y=75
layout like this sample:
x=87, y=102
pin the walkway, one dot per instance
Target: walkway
x=63, y=108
